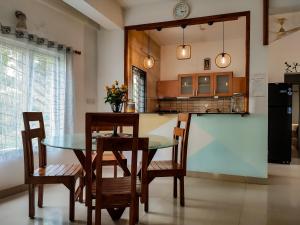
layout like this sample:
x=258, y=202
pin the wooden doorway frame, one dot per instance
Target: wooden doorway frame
x=266, y=22
x=195, y=21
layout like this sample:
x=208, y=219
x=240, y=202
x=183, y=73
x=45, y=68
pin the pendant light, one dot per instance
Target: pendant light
x=148, y=60
x=183, y=51
x=223, y=60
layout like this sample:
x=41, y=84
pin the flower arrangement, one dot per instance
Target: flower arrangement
x=116, y=95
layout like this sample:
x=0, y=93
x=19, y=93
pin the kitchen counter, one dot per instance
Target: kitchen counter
x=218, y=143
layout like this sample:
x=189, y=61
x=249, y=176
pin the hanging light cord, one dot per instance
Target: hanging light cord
x=183, y=36
x=148, y=43
x=223, y=39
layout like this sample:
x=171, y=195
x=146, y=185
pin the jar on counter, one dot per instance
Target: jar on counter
x=130, y=106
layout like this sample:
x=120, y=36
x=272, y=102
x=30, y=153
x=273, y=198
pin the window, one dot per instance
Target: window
x=31, y=79
x=139, y=89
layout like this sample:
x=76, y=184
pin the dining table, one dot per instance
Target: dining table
x=76, y=143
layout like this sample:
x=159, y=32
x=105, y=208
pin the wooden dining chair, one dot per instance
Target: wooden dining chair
x=105, y=119
x=120, y=192
x=108, y=158
x=173, y=168
x=46, y=174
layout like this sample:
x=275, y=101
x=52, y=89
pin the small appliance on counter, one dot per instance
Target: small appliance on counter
x=279, y=122
x=235, y=102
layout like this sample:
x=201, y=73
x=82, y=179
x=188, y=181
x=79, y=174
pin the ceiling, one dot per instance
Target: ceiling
x=169, y=36
x=131, y=3
x=292, y=21
x=284, y=6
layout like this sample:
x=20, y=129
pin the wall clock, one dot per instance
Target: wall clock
x=181, y=10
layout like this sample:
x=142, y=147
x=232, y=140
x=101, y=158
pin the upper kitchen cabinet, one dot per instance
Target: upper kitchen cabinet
x=223, y=84
x=204, y=84
x=239, y=85
x=186, y=85
x=167, y=88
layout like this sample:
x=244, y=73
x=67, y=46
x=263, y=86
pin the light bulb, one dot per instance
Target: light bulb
x=183, y=52
x=148, y=62
x=223, y=60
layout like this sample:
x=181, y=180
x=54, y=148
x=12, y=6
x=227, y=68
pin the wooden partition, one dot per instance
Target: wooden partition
x=137, y=49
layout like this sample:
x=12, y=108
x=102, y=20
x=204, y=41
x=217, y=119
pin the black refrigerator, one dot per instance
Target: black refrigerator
x=279, y=122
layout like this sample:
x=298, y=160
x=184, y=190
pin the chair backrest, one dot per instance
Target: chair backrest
x=93, y=120
x=27, y=136
x=105, y=128
x=182, y=134
x=120, y=144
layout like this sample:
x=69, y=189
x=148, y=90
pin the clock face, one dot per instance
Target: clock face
x=181, y=10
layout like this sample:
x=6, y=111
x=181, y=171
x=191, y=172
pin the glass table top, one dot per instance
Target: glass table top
x=77, y=142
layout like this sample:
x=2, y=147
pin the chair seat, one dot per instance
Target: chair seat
x=108, y=158
x=164, y=168
x=117, y=186
x=58, y=170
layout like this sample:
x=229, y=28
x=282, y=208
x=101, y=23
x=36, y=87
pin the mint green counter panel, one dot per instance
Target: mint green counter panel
x=233, y=145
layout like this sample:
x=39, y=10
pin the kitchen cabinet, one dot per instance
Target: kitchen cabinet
x=222, y=84
x=239, y=85
x=167, y=89
x=205, y=84
x=186, y=85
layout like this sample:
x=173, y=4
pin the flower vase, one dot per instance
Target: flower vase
x=116, y=107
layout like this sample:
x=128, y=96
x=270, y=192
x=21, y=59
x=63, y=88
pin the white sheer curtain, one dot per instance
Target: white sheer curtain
x=33, y=79
x=69, y=96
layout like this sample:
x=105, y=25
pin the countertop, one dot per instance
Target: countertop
x=206, y=113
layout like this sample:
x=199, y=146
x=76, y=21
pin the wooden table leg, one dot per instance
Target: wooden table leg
x=116, y=213
x=81, y=157
x=151, y=154
x=122, y=164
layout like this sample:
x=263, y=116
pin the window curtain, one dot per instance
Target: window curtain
x=33, y=78
x=69, y=96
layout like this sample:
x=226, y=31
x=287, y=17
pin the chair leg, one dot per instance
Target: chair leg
x=89, y=215
x=146, y=204
x=81, y=186
x=72, y=202
x=132, y=214
x=98, y=215
x=31, y=196
x=137, y=217
x=181, y=180
x=175, y=187
x=115, y=171
x=40, y=195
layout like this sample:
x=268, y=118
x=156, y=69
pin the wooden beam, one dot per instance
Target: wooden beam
x=247, y=69
x=266, y=22
x=192, y=21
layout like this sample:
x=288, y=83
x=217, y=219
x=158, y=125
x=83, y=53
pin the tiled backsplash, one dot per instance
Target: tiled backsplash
x=223, y=104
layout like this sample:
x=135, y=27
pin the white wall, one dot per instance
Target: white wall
x=110, y=62
x=171, y=67
x=46, y=19
x=283, y=50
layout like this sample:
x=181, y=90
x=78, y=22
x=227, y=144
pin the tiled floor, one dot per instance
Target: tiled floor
x=208, y=202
